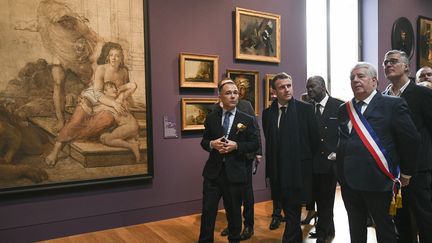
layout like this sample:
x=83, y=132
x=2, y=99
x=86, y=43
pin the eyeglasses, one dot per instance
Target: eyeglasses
x=391, y=61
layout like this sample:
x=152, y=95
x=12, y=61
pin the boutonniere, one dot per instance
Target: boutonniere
x=240, y=127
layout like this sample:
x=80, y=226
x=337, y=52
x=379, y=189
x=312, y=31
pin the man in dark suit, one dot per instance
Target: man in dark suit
x=417, y=195
x=366, y=185
x=291, y=134
x=253, y=159
x=324, y=166
x=229, y=135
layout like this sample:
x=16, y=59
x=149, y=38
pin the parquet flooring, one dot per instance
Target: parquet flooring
x=186, y=229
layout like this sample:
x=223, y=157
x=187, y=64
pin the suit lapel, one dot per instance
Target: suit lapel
x=408, y=90
x=372, y=105
x=233, y=129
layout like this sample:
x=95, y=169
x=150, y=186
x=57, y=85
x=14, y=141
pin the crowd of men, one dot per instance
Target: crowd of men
x=377, y=146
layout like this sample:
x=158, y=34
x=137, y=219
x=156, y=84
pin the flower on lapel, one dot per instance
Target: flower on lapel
x=240, y=127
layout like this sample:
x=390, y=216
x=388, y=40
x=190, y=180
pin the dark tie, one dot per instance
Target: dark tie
x=283, y=111
x=359, y=105
x=318, y=111
x=226, y=122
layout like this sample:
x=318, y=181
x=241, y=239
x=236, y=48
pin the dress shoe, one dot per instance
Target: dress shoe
x=247, y=233
x=225, y=232
x=313, y=235
x=320, y=240
x=275, y=223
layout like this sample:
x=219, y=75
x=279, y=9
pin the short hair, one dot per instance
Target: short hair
x=224, y=81
x=318, y=79
x=109, y=84
x=419, y=72
x=371, y=70
x=403, y=55
x=278, y=76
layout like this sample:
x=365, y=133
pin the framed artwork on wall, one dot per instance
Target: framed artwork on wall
x=257, y=36
x=424, y=42
x=194, y=111
x=248, y=85
x=64, y=42
x=198, y=70
x=403, y=36
x=269, y=92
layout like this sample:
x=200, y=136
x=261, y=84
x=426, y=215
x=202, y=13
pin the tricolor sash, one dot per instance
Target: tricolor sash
x=374, y=146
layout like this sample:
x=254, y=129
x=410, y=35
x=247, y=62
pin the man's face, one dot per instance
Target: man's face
x=394, y=68
x=284, y=90
x=315, y=90
x=229, y=96
x=361, y=84
x=425, y=74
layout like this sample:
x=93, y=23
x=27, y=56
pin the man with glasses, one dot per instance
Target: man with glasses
x=417, y=195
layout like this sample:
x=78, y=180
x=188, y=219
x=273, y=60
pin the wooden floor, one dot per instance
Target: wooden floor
x=186, y=229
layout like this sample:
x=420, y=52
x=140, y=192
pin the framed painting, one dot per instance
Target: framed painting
x=63, y=42
x=424, y=42
x=198, y=71
x=402, y=37
x=248, y=85
x=257, y=36
x=269, y=92
x=195, y=111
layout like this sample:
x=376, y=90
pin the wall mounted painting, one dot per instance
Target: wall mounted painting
x=269, y=92
x=257, y=36
x=424, y=42
x=248, y=85
x=403, y=36
x=198, y=71
x=66, y=135
x=195, y=111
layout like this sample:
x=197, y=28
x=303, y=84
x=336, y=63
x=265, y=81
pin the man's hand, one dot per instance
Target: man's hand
x=218, y=144
x=404, y=181
x=258, y=158
x=229, y=146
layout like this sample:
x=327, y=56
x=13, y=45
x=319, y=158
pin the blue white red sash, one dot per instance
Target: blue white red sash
x=371, y=141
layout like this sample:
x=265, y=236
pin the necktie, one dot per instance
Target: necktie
x=283, y=111
x=359, y=105
x=318, y=111
x=226, y=122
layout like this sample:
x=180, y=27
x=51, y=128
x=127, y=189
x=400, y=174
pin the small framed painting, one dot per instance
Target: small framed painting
x=194, y=112
x=247, y=83
x=269, y=91
x=198, y=71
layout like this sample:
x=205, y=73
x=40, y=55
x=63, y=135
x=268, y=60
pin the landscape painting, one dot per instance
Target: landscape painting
x=74, y=94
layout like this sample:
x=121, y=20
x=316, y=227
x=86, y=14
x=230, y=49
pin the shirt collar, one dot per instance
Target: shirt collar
x=233, y=111
x=323, y=102
x=369, y=98
x=279, y=105
x=389, y=90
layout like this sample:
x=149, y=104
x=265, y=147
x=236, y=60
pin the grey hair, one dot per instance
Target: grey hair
x=403, y=55
x=371, y=70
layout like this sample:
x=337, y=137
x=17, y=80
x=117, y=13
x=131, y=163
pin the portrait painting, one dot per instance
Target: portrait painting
x=248, y=86
x=403, y=36
x=198, y=71
x=269, y=92
x=257, y=36
x=424, y=42
x=74, y=91
x=195, y=111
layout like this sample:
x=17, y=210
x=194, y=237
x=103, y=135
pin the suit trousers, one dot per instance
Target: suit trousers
x=213, y=190
x=248, y=198
x=324, y=194
x=416, y=210
x=358, y=204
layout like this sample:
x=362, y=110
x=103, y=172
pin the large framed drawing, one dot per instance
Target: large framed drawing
x=248, y=85
x=198, y=70
x=424, y=42
x=195, y=111
x=269, y=92
x=62, y=61
x=257, y=36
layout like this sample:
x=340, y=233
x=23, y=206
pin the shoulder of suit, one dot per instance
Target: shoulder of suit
x=336, y=100
x=300, y=103
x=422, y=90
x=241, y=113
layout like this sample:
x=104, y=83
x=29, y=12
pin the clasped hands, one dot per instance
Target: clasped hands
x=223, y=145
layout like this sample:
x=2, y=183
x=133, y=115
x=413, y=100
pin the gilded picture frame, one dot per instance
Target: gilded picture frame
x=248, y=84
x=257, y=36
x=424, y=42
x=198, y=70
x=269, y=92
x=194, y=111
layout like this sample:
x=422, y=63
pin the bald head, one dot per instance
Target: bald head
x=424, y=74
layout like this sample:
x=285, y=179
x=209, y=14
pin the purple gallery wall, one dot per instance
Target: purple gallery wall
x=379, y=16
x=195, y=26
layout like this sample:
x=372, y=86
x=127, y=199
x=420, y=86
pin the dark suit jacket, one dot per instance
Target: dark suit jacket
x=235, y=161
x=419, y=100
x=389, y=117
x=307, y=144
x=328, y=137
